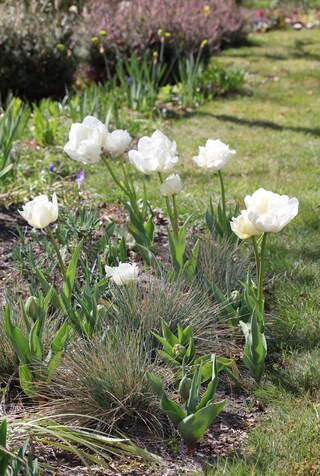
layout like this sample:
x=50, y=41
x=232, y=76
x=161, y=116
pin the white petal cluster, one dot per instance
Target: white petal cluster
x=117, y=142
x=243, y=227
x=86, y=140
x=39, y=212
x=267, y=212
x=155, y=154
x=215, y=155
x=123, y=274
x=171, y=186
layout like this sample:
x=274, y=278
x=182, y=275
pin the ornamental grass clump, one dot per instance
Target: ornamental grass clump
x=108, y=380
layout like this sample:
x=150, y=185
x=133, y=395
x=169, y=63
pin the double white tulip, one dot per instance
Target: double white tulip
x=215, y=155
x=117, y=142
x=270, y=212
x=171, y=186
x=155, y=154
x=88, y=139
x=40, y=212
x=123, y=274
x=243, y=227
x=266, y=212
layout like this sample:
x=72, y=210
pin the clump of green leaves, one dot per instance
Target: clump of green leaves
x=194, y=416
x=12, y=463
x=35, y=365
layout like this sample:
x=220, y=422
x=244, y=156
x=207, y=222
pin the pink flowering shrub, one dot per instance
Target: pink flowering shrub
x=140, y=25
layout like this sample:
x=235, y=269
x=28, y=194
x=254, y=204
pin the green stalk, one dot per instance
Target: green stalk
x=113, y=175
x=175, y=215
x=223, y=199
x=261, y=273
x=56, y=248
x=171, y=218
x=256, y=256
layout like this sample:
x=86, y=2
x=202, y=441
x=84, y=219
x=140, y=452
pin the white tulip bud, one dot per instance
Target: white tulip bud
x=243, y=227
x=39, y=212
x=125, y=273
x=171, y=186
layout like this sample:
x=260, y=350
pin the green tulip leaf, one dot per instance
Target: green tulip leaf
x=192, y=428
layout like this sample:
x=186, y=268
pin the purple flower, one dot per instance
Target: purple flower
x=51, y=167
x=80, y=178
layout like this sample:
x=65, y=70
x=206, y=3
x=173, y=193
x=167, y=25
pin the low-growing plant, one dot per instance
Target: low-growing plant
x=12, y=122
x=36, y=366
x=180, y=350
x=194, y=418
x=22, y=460
x=106, y=379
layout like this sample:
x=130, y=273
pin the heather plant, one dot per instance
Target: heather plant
x=140, y=25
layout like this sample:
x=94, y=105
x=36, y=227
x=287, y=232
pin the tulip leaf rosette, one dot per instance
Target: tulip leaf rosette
x=216, y=155
x=194, y=416
x=266, y=212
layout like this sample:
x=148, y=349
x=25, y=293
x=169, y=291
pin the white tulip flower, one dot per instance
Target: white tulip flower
x=243, y=227
x=117, y=142
x=215, y=155
x=39, y=212
x=270, y=212
x=86, y=140
x=171, y=186
x=155, y=154
x=123, y=274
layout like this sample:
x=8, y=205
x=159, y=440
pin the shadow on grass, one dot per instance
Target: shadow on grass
x=259, y=123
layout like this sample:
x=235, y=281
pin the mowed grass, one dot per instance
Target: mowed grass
x=275, y=128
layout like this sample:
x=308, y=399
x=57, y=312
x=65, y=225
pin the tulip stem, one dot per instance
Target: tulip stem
x=176, y=215
x=256, y=256
x=56, y=248
x=113, y=175
x=261, y=273
x=171, y=218
x=223, y=199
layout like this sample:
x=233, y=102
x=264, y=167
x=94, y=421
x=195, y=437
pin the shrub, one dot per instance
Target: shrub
x=139, y=25
x=36, y=59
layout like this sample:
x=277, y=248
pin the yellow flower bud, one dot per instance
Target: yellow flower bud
x=203, y=43
x=61, y=47
x=206, y=10
x=102, y=33
x=95, y=40
x=167, y=34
